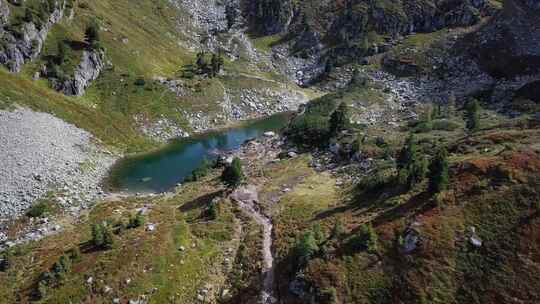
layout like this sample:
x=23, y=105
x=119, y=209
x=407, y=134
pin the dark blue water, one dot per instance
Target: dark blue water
x=162, y=170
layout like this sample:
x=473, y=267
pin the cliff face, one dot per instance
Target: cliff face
x=268, y=17
x=91, y=65
x=510, y=44
x=22, y=44
x=4, y=12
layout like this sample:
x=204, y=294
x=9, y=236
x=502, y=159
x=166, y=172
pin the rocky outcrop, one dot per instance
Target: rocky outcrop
x=19, y=44
x=268, y=17
x=405, y=17
x=91, y=65
x=4, y=12
x=509, y=46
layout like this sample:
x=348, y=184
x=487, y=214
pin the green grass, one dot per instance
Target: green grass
x=151, y=260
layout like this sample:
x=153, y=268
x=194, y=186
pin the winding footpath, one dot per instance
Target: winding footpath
x=248, y=201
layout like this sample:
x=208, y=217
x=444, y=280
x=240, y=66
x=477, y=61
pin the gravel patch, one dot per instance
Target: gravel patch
x=40, y=153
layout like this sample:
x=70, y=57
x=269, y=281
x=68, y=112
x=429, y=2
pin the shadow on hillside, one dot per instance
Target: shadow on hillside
x=365, y=200
x=417, y=204
x=200, y=201
x=76, y=45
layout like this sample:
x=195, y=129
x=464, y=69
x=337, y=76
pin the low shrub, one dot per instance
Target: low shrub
x=140, y=82
x=200, y=172
x=445, y=125
x=38, y=210
x=136, y=221
x=367, y=239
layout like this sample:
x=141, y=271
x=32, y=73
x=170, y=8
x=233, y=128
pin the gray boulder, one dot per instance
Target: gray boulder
x=4, y=12
x=89, y=69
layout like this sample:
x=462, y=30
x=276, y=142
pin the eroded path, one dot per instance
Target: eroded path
x=248, y=200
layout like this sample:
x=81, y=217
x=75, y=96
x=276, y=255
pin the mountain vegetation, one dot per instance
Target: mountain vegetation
x=408, y=170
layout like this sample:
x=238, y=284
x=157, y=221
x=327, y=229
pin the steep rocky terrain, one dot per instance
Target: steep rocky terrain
x=408, y=172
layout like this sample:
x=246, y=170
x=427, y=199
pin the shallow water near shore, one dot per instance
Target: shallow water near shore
x=163, y=169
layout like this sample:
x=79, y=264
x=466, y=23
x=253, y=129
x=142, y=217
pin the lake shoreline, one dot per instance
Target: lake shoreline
x=113, y=181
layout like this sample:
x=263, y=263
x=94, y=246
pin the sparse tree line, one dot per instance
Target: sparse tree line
x=102, y=238
x=210, y=67
x=412, y=167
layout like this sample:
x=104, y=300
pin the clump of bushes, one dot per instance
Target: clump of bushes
x=140, y=82
x=367, y=239
x=210, y=67
x=136, y=221
x=310, y=130
x=39, y=209
x=309, y=245
x=56, y=275
x=200, y=172
x=5, y=260
x=212, y=211
x=92, y=35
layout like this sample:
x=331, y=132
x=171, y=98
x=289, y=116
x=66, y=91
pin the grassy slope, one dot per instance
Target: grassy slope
x=142, y=40
x=152, y=260
x=497, y=194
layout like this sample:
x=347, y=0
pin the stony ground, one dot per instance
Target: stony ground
x=40, y=153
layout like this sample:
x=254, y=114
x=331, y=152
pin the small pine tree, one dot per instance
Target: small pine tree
x=62, y=53
x=358, y=79
x=472, y=116
x=91, y=34
x=201, y=63
x=28, y=15
x=97, y=235
x=328, y=68
x=339, y=120
x=212, y=211
x=136, y=221
x=306, y=248
x=216, y=63
x=74, y=254
x=233, y=175
x=338, y=230
x=438, y=172
x=451, y=105
x=108, y=237
x=368, y=238
x=5, y=260
x=412, y=166
x=102, y=236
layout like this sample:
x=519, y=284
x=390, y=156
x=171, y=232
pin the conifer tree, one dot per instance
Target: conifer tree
x=216, y=63
x=339, y=120
x=233, y=175
x=306, y=248
x=438, y=172
x=201, y=63
x=91, y=35
x=411, y=164
x=62, y=52
x=472, y=116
